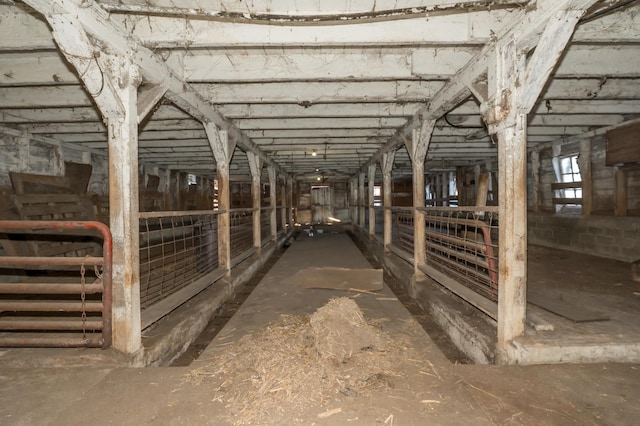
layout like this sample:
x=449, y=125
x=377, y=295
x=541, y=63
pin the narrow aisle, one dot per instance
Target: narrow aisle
x=407, y=380
x=279, y=361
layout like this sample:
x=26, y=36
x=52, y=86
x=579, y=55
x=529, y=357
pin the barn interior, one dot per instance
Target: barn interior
x=158, y=154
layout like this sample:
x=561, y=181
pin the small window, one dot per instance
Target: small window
x=377, y=196
x=570, y=172
x=192, y=180
x=567, y=191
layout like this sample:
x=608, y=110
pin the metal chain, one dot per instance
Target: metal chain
x=83, y=299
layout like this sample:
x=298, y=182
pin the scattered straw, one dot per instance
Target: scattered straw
x=275, y=374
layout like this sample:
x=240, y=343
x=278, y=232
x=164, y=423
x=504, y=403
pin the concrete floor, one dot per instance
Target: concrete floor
x=427, y=389
x=600, y=285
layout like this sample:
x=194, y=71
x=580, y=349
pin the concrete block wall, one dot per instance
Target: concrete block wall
x=605, y=236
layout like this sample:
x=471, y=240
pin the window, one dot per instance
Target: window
x=567, y=190
x=377, y=196
x=192, y=180
x=569, y=172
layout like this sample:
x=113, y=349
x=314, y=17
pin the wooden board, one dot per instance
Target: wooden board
x=77, y=176
x=28, y=183
x=339, y=278
x=623, y=145
x=560, y=306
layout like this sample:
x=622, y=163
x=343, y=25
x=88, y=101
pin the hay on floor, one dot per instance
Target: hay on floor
x=298, y=362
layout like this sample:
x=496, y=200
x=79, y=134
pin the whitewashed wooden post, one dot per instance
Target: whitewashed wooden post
x=290, y=205
x=387, y=200
x=222, y=149
x=370, y=199
x=272, y=201
x=124, y=209
x=113, y=82
x=514, y=89
x=584, y=163
x=361, y=200
x=417, y=147
x=511, y=127
x=255, y=165
x=285, y=202
x=353, y=200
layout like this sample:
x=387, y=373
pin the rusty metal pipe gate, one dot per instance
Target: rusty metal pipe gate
x=29, y=303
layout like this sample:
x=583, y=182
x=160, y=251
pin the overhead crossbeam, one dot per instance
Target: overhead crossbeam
x=526, y=28
x=117, y=40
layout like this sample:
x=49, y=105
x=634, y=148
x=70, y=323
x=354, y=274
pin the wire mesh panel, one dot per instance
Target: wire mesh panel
x=402, y=231
x=176, y=249
x=241, y=231
x=462, y=244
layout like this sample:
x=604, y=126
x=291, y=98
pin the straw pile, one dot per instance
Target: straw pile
x=298, y=362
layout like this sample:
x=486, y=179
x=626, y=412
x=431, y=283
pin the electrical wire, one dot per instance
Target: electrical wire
x=605, y=12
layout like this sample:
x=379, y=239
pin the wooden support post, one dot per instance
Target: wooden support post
x=490, y=184
x=353, y=200
x=482, y=189
x=620, y=192
x=222, y=149
x=512, y=210
x=272, y=201
x=290, y=205
x=361, y=200
x=124, y=209
x=417, y=147
x=556, y=149
x=113, y=82
x=476, y=182
x=584, y=164
x=255, y=165
x=387, y=201
x=461, y=186
x=535, y=180
x=284, y=201
x=370, y=199
x=446, y=189
x=437, y=190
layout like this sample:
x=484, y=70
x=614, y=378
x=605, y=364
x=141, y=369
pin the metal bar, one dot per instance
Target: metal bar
x=154, y=215
x=52, y=342
x=472, y=209
x=49, y=306
x=45, y=263
x=107, y=258
x=49, y=288
x=35, y=324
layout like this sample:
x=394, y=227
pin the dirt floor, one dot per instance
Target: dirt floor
x=293, y=355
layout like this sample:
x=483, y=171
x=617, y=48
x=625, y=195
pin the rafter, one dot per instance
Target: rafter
x=525, y=28
x=155, y=70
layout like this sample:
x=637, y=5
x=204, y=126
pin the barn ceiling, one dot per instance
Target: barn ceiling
x=339, y=79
